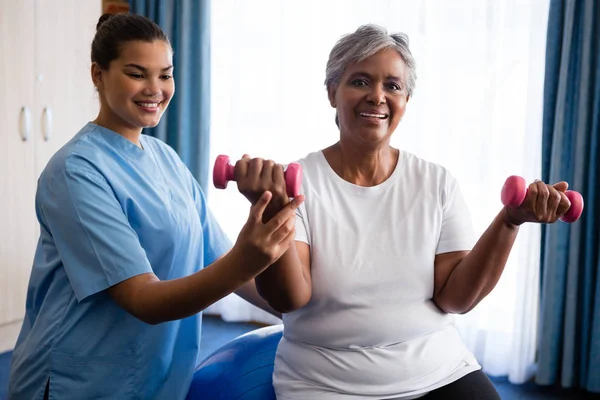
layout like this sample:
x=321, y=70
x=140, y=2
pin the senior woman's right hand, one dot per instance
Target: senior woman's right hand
x=254, y=176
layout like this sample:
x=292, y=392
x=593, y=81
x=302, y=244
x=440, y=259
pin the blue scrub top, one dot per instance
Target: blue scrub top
x=109, y=210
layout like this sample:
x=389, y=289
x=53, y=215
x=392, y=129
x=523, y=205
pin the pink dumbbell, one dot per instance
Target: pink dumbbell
x=223, y=173
x=514, y=192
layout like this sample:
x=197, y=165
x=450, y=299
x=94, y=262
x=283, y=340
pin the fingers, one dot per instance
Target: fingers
x=241, y=167
x=284, y=230
x=279, y=177
x=561, y=186
x=289, y=211
x=541, y=199
x=254, y=169
x=257, y=210
x=554, y=200
x=249, y=168
x=288, y=240
x=563, y=205
x=272, y=176
x=256, y=175
x=266, y=173
x=549, y=201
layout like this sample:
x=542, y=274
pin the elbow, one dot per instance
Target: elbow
x=153, y=320
x=285, y=301
x=150, y=318
x=288, y=304
x=453, y=305
x=146, y=312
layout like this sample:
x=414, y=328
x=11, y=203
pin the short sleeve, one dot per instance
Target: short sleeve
x=302, y=227
x=216, y=242
x=457, y=227
x=97, y=245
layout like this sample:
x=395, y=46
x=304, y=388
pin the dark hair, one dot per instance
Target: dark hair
x=114, y=30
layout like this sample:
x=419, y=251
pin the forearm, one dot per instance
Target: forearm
x=283, y=285
x=161, y=301
x=249, y=293
x=478, y=273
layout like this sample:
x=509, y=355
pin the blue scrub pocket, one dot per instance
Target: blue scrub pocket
x=82, y=377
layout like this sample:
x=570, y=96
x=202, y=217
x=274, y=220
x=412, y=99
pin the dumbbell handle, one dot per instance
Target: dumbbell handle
x=229, y=173
x=223, y=172
x=515, y=190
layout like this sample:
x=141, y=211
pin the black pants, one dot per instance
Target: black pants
x=47, y=391
x=473, y=386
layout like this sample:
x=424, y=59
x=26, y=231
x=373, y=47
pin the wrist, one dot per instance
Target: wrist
x=239, y=268
x=246, y=265
x=274, y=207
x=508, y=219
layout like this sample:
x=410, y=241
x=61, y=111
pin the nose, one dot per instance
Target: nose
x=376, y=96
x=152, y=87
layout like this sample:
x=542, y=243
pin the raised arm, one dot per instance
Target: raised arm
x=462, y=279
x=286, y=285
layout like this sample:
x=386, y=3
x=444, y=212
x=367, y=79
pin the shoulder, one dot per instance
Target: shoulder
x=314, y=170
x=425, y=170
x=80, y=153
x=421, y=165
x=312, y=163
x=311, y=159
x=435, y=180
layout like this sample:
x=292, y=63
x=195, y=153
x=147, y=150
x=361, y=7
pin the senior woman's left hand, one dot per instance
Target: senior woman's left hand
x=544, y=203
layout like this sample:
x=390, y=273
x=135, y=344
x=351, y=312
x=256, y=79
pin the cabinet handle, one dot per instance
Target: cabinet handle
x=24, y=123
x=47, y=123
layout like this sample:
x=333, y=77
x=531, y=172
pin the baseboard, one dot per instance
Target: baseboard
x=8, y=335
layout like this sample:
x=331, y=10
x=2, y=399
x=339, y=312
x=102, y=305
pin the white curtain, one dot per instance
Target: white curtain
x=477, y=110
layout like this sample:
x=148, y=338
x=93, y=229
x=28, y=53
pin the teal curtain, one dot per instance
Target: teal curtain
x=569, y=341
x=185, y=125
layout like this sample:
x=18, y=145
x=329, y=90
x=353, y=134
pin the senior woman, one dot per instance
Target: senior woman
x=385, y=251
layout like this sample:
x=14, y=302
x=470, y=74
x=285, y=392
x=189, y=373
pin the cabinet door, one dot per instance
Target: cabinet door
x=18, y=227
x=65, y=96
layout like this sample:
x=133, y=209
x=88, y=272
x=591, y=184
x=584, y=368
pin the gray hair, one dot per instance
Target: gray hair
x=365, y=42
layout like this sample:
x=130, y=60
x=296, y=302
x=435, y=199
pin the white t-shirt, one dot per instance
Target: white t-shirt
x=371, y=329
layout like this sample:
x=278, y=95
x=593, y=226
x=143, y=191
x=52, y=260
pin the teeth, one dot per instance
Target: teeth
x=149, y=105
x=382, y=116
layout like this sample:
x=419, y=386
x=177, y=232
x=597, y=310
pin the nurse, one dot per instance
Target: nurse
x=129, y=253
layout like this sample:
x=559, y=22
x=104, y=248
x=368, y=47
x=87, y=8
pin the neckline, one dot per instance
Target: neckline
x=357, y=189
x=120, y=142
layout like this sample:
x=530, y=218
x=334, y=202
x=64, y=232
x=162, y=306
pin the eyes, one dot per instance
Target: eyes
x=136, y=75
x=360, y=83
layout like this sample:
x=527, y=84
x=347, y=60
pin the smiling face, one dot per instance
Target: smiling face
x=137, y=87
x=371, y=97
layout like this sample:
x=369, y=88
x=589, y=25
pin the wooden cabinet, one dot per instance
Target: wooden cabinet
x=46, y=96
x=64, y=90
x=17, y=160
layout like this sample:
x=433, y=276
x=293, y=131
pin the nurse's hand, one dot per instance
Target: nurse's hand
x=255, y=176
x=262, y=243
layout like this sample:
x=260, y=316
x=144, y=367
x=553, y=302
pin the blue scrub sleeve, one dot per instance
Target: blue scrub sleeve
x=216, y=242
x=97, y=245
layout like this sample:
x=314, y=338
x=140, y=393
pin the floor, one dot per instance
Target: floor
x=217, y=332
